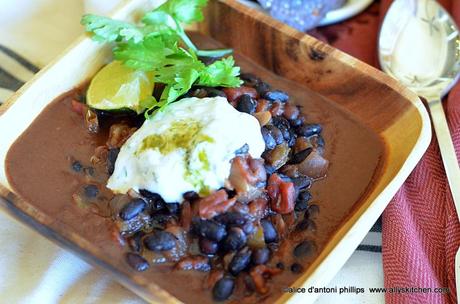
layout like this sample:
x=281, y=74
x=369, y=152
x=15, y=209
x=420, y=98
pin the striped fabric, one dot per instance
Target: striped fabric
x=15, y=70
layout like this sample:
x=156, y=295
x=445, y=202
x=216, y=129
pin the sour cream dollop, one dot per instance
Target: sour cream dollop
x=187, y=147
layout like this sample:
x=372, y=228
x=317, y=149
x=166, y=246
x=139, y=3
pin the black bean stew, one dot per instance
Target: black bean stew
x=237, y=245
x=232, y=234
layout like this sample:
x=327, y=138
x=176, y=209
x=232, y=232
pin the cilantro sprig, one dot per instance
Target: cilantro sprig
x=160, y=45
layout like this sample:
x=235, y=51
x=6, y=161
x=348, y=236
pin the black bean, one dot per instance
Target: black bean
x=304, y=248
x=208, y=246
x=292, y=138
x=239, y=262
x=136, y=261
x=160, y=241
x=132, y=209
x=223, y=289
x=134, y=242
x=243, y=150
x=209, y=229
x=77, y=166
x=270, y=142
x=296, y=268
x=280, y=265
x=230, y=193
x=249, y=227
x=280, y=122
x=159, y=220
x=301, y=182
x=278, y=136
x=276, y=95
x=276, y=133
x=149, y=195
x=309, y=130
x=283, y=125
x=306, y=224
x=317, y=141
x=91, y=191
x=300, y=205
x=213, y=92
x=232, y=218
x=111, y=159
x=304, y=196
x=262, y=88
x=312, y=211
x=270, y=233
x=108, y=118
x=260, y=256
x=300, y=156
x=235, y=240
x=173, y=208
x=191, y=196
x=157, y=203
x=286, y=133
x=296, y=122
x=249, y=79
x=246, y=104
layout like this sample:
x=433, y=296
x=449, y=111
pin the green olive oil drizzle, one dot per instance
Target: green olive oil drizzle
x=185, y=135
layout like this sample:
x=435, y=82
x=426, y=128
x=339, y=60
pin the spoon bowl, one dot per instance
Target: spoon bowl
x=419, y=44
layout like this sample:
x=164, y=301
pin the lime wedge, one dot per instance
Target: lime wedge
x=117, y=87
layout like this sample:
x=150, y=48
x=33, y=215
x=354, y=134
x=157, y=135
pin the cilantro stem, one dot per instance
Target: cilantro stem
x=201, y=53
x=213, y=53
x=184, y=37
x=188, y=42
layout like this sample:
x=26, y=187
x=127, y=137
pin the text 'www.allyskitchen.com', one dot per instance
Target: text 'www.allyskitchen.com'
x=358, y=290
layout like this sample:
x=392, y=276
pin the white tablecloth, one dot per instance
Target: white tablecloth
x=32, y=269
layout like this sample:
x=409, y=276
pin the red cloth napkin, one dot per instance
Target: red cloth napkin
x=421, y=232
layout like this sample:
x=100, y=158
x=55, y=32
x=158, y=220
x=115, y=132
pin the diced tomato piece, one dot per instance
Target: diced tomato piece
x=214, y=204
x=282, y=194
x=246, y=172
x=273, y=186
x=234, y=93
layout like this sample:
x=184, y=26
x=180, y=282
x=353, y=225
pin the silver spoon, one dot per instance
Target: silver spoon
x=419, y=45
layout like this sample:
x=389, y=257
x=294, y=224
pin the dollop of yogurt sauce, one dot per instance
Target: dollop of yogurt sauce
x=186, y=147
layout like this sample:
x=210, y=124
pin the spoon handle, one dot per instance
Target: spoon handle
x=447, y=149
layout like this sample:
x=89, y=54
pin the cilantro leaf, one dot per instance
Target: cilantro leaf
x=148, y=54
x=108, y=30
x=179, y=72
x=221, y=73
x=186, y=11
x=160, y=45
x=172, y=13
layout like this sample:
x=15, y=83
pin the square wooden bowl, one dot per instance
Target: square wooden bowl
x=393, y=112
